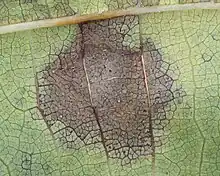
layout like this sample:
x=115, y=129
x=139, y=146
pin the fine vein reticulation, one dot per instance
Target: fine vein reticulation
x=109, y=89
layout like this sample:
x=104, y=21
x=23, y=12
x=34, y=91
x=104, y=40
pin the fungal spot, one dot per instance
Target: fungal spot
x=26, y=161
x=104, y=111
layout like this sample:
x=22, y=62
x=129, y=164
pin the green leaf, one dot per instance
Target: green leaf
x=187, y=42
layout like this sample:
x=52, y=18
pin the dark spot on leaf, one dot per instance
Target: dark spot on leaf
x=26, y=161
x=107, y=107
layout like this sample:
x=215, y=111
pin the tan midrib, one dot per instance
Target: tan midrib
x=76, y=19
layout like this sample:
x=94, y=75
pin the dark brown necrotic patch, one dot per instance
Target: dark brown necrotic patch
x=104, y=90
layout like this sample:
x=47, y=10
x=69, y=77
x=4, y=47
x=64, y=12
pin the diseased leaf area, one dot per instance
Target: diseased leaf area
x=105, y=91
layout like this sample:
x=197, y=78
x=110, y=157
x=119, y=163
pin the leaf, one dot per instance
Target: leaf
x=185, y=44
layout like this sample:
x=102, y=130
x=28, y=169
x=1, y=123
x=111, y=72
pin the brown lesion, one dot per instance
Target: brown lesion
x=97, y=89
